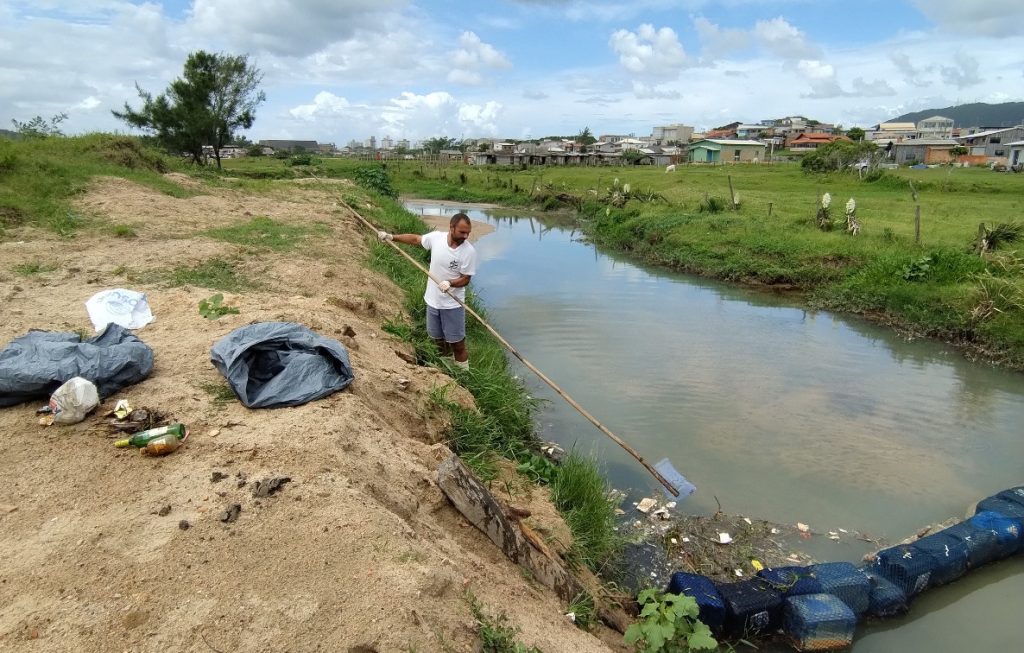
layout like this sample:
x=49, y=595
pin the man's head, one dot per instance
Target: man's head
x=459, y=228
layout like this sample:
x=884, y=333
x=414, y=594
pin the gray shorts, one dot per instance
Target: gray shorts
x=448, y=324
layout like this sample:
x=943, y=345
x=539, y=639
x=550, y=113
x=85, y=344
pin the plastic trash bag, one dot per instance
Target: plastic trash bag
x=34, y=365
x=71, y=402
x=275, y=364
x=126, y=308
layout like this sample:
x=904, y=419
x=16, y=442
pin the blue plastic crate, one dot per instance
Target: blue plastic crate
x=702, y=589
x=950, y=554
x=791, y=581
x=885, y=599
x=844, y=580
x=1009, y=532
x=752, y=607
x=818, y=622
x=1004, y=507
x=982, y=543
x=905, y=567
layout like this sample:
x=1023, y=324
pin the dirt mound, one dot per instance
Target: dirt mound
x=128, y=152
x=101, y=549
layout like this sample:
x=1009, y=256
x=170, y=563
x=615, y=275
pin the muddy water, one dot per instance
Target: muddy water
x=770, y=410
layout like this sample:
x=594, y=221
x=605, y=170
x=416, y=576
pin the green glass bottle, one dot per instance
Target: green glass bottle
x=143, y=438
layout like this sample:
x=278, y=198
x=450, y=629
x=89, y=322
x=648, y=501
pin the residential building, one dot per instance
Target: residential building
x=806, y=141
x=714, y=150
x=1015, y=152
x=936, y=127
x=992, y=143
x=292, y=146
x=924, y=150
x=671, y=134
x=751, y=132
x=387, y=143
x=891, y=132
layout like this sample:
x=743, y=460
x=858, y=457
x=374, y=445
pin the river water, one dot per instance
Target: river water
x=771, y=410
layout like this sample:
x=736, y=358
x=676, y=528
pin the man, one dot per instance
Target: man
x=453, y=262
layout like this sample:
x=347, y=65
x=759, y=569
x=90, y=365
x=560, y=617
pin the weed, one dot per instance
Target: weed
x=263, y=232
x=215, y=273
x=212, y=308
x=583, y=610
x=669, y=623
x=375, y=178
x=918, y=270
x=496, y=635
x=582, y=495
x=538, y=469
x=29, y=269
x=711, y=204
x=123, y=231
x=220, y=393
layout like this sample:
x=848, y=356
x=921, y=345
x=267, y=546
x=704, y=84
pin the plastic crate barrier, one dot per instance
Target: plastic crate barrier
x=752, y=607
x=818, y=622
x=702, y=589
x=1009, y=532
x=905, y=567
x=791, y=581
x=885, y=599
x=950, y=555
x=844, y=580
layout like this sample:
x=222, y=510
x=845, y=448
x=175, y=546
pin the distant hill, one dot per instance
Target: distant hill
x=979, y=114
x=10, y=135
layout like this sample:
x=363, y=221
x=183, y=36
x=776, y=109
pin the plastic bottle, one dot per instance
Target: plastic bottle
x=162, y=445
x=141, y=439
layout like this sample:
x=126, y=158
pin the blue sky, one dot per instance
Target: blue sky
x=336, y=70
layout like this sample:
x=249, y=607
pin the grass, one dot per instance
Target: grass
x=215, y=274
x=220, y=392
x=583, y=497
x=30, y=269
x=496, y=634
x=264, y=233
x=123, y=231
x=39, y=178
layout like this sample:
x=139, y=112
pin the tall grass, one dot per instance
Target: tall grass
x=583, y=497
x=39, y=177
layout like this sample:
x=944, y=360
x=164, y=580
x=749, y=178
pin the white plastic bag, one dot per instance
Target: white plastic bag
x=127, y=308
x=71, y=402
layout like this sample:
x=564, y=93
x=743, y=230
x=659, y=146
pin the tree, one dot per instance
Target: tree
x=840, y=155
x=632, y=157
x=217, y=94
x=855, y=134
x=39, y=127
x=438, y=143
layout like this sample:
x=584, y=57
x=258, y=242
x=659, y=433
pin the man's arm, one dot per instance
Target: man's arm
x=461, y=281
x=408, y=239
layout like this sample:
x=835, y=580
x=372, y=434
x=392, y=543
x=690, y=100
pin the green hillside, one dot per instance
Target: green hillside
x=978, y=114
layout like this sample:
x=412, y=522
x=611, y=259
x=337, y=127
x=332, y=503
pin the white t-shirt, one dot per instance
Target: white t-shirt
x=447, y=264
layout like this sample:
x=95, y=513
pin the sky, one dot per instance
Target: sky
x=341, y=70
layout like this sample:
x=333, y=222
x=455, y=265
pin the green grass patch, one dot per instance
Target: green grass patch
x=123, y=231
x=584, y=498
x=40, y=177
x=33, y=268
x=220, y=392
x=264, y=233
x=215, y=273
x=497, y=635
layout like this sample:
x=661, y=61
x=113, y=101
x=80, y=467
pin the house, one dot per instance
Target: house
x=936, y=127
x=292, y=146
x=891, y=132
x=808, y=141
x=924, y=150
x=715, y=150
x=670, y=134
x=992, y=143
x=1015, y=154
x=751, y=131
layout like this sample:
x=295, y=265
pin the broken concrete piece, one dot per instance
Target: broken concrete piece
x=645, y=505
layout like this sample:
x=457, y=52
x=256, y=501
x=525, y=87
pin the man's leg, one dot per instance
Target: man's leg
x=435, y=329
x=453, y=321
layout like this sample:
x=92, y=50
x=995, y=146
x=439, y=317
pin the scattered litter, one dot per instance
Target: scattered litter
x=803, y=528
x=213, y=433
x=674, y=541
x=843, y=530
x=665, y=468
x=571, y=616
x=71, y=402
x=126, y=308
x=646, y=504
x=756, y=564
x=686, y=540
x=774, y=531
x=834, y=537
x=269, y=486
x=738, y=572
x=122, y=409
x=231, y=513
x=620, y=511
x=724, y=538
x=661, y=512
x=833, y=533
x=403, y=383
x=747, y=519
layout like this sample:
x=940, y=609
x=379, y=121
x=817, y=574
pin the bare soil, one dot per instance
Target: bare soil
x=102, y=549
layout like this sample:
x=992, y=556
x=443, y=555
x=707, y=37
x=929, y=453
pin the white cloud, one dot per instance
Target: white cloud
x=964, y=72
x=289, y=27
x=652, y=92
x=469, y=62
x=775, y=37
x=783, y=40
x=649, y=50
x=324, y=105
x=988, y=18
x=438, y=114
x=910, y=73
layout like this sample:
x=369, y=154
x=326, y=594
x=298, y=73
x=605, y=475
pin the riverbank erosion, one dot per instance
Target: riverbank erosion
x=103, y=549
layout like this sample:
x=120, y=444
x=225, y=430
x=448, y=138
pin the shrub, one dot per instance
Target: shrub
x=375, y=178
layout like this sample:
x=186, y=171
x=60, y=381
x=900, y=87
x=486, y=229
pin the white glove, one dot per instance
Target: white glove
x=383, y=235
x=444, y=286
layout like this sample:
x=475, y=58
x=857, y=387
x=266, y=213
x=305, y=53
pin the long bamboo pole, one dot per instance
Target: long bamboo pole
x=543, y=377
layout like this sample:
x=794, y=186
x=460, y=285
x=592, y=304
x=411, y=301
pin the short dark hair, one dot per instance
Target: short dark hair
x=459, y=217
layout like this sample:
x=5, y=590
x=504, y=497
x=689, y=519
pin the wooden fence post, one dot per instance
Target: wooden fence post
x=769, y=209
x=917, y=224
x=732, y=194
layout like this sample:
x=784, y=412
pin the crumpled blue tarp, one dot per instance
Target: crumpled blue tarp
x=32, y=366
x=275, y=364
